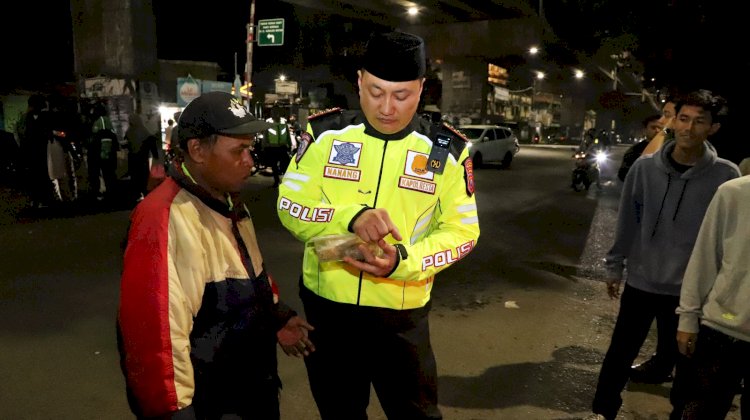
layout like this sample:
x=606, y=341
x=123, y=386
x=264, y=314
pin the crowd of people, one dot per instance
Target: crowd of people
x=200, y=317
x=361, y=181
x=68, y=154
x=664, y=202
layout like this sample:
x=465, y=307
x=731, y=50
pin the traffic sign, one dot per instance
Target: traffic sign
x=270, y=32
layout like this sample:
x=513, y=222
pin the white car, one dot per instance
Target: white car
x=491, y=144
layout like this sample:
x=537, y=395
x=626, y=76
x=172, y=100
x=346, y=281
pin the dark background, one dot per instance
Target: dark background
x=683, y=44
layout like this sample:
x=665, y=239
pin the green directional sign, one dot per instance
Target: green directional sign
x=270, y=32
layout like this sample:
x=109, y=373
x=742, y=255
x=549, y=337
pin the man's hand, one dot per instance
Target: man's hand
x=377, y=266
x=375, y=224
x=293, y=337
x=613, y=288
x=686, y=342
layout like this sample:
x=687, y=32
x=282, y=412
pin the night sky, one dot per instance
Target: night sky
x=38, y=47
x=690, y=43
x=681, y=40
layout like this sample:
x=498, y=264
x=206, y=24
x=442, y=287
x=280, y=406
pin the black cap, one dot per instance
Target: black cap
x=216, y=113
x=395, y=56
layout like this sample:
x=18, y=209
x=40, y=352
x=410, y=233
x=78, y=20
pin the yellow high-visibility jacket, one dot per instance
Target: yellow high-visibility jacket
x=343, y=167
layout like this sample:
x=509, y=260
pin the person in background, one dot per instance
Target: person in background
x=199, y=314
x=142, y=145
x=276, y=145
x=101, y=154
x=295, y=129
x=714, y=327
x=168, y=135
x=663, y=201
x=403, y=189
x=35, y=132
x=668, y=113
x=651, y=127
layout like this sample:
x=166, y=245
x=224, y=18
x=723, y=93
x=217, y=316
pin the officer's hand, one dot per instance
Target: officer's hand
x=293, y=337
x=377, y=266
x=375, y=224
x=613, y=288
x=686, y=342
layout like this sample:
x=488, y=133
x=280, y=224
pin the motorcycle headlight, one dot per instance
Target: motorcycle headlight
x=601, y=157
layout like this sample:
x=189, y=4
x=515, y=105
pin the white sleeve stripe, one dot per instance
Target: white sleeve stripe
x=467, y=208
x=297, y=176
x=470, y=220
x=292, y=185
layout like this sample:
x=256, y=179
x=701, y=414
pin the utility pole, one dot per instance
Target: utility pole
x=250, y=41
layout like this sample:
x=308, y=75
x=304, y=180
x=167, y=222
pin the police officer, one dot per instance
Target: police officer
x=405, y=187
x=276, y=145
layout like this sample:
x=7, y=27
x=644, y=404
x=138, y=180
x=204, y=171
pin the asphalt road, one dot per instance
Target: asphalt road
x=519, y=326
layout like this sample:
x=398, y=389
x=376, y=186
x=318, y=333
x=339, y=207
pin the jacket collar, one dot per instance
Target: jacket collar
x=410, y=128
x=182, y=177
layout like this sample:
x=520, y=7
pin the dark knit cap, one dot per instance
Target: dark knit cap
x=395, y=56
x=216, y=113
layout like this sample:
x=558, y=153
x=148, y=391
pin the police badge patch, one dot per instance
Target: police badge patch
x=469, y=176
x=303, y=142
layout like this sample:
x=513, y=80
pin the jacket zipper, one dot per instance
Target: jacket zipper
x=374, y=205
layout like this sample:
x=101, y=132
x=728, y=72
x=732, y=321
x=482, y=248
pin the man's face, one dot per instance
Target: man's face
x=692, y=126
x=668, y=113
x=228, y=163
x=652, y=129
x=388, y=106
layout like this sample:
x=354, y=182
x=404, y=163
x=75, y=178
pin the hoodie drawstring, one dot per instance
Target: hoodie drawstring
x=663, y=200
x=661, y=207
x=682, y=194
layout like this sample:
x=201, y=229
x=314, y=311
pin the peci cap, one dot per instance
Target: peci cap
x=395, y=56
x=216, y=113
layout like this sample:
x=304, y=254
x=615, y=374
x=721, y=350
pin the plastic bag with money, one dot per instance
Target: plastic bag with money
x=336, y=247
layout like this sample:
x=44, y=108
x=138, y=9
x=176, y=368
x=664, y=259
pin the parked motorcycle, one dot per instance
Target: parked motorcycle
x=587, y=169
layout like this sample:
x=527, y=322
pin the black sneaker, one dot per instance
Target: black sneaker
x=650, y=372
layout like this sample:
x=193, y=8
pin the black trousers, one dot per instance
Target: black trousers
x=637, y=312
x=278, y=160
x=357, y=346
x=707, y=382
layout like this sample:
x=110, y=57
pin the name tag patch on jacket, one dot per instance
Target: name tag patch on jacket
x=416, y=185
x=345, y=153
x=342, y=173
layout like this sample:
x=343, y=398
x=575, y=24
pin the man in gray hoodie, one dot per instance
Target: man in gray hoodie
x=714, y=326
x=663, y=201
